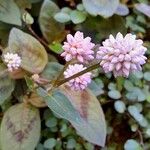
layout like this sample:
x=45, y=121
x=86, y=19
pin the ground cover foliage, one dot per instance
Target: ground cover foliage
x=113, y=113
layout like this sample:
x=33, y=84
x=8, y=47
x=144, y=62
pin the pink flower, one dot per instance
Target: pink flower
x=122, y=55
x=78, y=47
x=81, y=82
x=13, y=61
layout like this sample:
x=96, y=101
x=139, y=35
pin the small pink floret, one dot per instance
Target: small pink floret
x=78, y=48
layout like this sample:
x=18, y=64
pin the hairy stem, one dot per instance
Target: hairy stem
x=77, y=74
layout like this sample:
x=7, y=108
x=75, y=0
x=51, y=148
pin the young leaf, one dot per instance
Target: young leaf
x=33, y=54
x=56, y=47
x=114, y=94
x=62, y=17
x=77, y=16
x=104, y=8
x=36, y=100
x=6, y=84
x=9, y=12
x=29, y=82
x=20, y=128
x=51, y=29
x=81, y=109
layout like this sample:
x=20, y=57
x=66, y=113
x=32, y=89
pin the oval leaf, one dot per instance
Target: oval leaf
x=9, y=12
x=91, y=114
x=122, y=10
x=6, y=84
x=20, y=128
x=77, y=16
x=33, y=54
x=62, y=17
x=143, y=8
x=104, y=8
x=82, y=109
x=51, y=29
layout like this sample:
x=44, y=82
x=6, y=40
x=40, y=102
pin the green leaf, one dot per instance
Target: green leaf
x=133, y=23
x=51, y=29
x=147, y=76
x=33, y=54
x=6, y=84
x=112, y=86
x=9, y=12
x=136, y=94
x=128, y=85
x=119, y=106
x=4, y=33
x=132, y=144
x=77, y=16
x=50, y=143
x=27, y=18
x=114, y=94
x=82, y=109
x=40, y=147
x=23, y=4
x=62, y=17
x=71, y=144
x=51, y=70
x=34, y=1
x=56, y=47
x=120, y=82
x=101, y=27
x=52, y=122
x=138, y=74
x=66, y=10
x=29, y=83
x=146, y=90
x=95, y=87
x=143, y=8
x=80, y=7
x=104, y=8
x=20, y=128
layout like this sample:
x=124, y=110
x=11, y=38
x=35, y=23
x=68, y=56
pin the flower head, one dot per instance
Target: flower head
x=13, y=61
x=78, y=47
x=122, y=55
x=81, y=82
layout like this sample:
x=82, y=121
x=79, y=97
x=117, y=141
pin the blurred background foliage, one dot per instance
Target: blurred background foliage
x=126, y=102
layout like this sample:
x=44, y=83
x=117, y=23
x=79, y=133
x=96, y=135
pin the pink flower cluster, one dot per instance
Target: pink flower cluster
x=13, y=61
x=120, y=55
x=80, y=82
x=78, y=48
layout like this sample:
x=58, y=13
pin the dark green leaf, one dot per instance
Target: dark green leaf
x=51, y=29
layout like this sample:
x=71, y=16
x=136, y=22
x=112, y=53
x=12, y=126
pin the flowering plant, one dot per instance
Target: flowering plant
x=67, y=74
